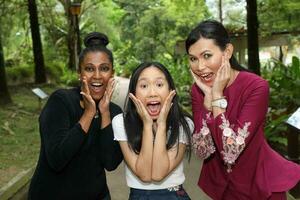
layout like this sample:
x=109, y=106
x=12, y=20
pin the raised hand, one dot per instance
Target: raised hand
x=163, y=115
x=88, y=102
x=205, y=89
x=222, y=78
x=103, y=104
x=141, y=110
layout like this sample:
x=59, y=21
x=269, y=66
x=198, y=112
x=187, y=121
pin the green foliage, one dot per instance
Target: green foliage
x=284, y=81
x=19, y=74
x=278, y=16
x=69, y=78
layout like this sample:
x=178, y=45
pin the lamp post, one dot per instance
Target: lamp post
x=75, y=11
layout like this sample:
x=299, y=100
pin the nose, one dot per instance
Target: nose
x=97, y=73
x=200, y=65
x=152, y=92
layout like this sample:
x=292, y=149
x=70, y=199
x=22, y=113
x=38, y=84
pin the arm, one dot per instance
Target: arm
x=202, y=141
x=61, y=139
x=140, y=163
x=232, y=136
x=165, y=161
x=110, y=151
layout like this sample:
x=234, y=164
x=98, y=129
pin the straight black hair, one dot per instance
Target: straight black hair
x=176, y=117
x=212, y=29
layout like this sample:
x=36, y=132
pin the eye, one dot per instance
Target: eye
x=160, y=85
x=193, y=59
x=104, y=68
x=207, y=55
x=143, y=86
x=88, y=68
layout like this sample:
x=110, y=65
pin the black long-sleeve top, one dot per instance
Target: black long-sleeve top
x=71, y=163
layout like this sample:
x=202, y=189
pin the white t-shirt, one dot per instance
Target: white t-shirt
x=176, y=177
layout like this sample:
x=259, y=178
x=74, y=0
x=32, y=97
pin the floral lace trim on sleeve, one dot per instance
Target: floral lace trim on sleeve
x=202, y=141
x=233, y=143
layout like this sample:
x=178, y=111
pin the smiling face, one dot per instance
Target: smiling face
x=152, y=90
x=205, y=58
x=97, y=69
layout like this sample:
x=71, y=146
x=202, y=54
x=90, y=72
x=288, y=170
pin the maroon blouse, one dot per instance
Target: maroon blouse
x=239, y=163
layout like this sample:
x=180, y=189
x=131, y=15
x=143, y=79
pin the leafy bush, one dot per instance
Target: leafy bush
x=19, y=74
x=284, y=81
x=69, y=78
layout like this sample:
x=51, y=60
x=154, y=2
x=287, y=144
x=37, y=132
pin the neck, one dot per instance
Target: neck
x=233, y=74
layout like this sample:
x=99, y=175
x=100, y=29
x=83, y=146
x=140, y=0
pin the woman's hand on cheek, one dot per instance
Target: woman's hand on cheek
x=163, y=115
x=205, y=89
x=141, y=110
x=103, y=104
x=89, y=103
x=222, y=78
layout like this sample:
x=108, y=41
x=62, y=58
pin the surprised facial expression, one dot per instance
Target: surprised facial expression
x=97, y=69
x=205, y=59
x=152, y=90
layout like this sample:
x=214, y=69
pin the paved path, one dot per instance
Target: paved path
x=116, y=179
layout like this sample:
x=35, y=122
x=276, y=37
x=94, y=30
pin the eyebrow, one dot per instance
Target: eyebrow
x=203, y=52
x=91, y=64
x=145, y=79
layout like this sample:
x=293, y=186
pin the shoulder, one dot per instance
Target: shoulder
x=118, y=118
x=64, y=95
x=252, y=79
x=114, y=109
x=118, y=128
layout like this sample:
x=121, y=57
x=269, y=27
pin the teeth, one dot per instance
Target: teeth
x=96, y=84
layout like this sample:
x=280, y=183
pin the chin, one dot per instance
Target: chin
x=97, y=97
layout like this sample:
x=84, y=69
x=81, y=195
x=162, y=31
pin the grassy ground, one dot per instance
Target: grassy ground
x=19, y=137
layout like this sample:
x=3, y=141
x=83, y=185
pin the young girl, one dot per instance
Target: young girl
x=154, y=135
x=229, y=107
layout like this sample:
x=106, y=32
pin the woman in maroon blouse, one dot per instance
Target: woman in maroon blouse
x=229, y=106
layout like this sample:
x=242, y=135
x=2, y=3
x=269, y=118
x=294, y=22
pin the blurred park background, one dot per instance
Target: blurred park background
x=40, y=41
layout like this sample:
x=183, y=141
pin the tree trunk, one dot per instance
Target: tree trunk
x=39, y=69
x=4, y=94
x=252, y=27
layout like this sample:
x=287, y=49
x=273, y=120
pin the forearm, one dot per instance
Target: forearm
x=161, y=166
x=86, y=120
x=144, y=160
x=217, y=110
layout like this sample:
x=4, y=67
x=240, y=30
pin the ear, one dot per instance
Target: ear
x=229, y=50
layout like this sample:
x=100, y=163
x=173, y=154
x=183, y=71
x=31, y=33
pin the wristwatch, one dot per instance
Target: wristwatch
x=221, y=103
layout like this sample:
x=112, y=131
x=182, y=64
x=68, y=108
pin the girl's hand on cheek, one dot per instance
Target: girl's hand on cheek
x=163, y=115
x=141, y=110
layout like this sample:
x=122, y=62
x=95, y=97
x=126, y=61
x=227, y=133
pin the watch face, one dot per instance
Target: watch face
x=223, y=103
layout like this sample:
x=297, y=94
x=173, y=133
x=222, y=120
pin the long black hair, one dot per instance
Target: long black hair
x=95, y=42
x=133, y=123
x=211, y=29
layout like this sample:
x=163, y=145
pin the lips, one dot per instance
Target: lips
x=153, y=108
x=206, y=77
x=96, y=87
